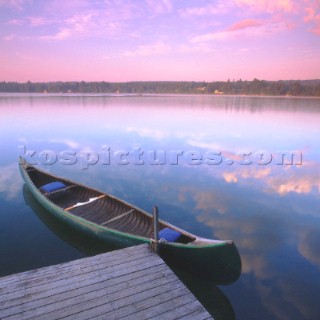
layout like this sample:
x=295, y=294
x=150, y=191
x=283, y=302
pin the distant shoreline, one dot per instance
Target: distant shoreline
x=282, y=88
x=146, y=95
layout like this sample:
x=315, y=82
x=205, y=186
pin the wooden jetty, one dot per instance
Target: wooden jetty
x=131, y=283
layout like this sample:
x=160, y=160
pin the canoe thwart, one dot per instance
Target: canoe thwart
x=118, y=217
x=79, y=204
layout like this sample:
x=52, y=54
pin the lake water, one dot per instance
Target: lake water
x=240, y=168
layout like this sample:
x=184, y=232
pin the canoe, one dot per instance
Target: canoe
x=121, y=224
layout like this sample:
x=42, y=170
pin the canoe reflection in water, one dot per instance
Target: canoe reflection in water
x=212, y=298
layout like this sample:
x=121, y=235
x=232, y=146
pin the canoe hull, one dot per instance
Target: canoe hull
x=118, y=239
x=219, y=263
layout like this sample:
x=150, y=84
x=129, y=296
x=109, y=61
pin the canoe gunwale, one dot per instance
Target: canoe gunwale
x=197, y=242
x=69, y=216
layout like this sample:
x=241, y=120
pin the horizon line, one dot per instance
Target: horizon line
x=152, y=81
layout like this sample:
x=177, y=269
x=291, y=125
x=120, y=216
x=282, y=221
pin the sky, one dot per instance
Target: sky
x=159, y=40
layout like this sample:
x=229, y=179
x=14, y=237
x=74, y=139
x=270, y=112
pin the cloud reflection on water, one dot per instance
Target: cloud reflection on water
x=10, y=181
x=270, y=244
x=308, y=245
x=303, y=179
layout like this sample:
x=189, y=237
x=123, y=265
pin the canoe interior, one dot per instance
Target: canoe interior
x=105, y=210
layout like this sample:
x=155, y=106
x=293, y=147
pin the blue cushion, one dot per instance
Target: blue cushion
x=52, y=186
x=169, y=234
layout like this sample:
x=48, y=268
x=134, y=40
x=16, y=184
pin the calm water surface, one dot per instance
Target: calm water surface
x=229, y=182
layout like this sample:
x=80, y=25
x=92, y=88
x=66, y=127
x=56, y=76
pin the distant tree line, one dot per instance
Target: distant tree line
x=254, y=87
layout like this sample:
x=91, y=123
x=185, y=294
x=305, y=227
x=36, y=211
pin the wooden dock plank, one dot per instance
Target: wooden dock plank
x=190, y=311
x=92, y=307
x=123, y=284
x=8, y=282
x=197, y=315
x=167, y=306
x=85, y=277
x=75, y=264
x=99, y=288
x=127, y=304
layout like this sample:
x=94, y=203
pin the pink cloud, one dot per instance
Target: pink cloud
x=84, y=25
x=15, y=22
x=230, y=177
x=312, y=16
x=38, y=21
x=264, y=6
x=14, y=4
x=247, y=173
x=32, y=21
x=9, y=37
x=77, y=25
x=121, y=10
x=247, y=23
x=77, y=18
x=210, y=9
x=196, y=48
x=149, y=50
x=160, y=6
x=269, y=6
x=244, y=29
x=303, y=181
x=301, y=184
x=66, y=7
x=308, y=246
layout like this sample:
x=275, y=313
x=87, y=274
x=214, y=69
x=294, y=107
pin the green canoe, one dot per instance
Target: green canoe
x=121, y=224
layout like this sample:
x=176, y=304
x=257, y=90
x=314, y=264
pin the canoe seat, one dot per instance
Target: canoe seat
x=59, y=190
x=52, y=186
x=169, y=235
